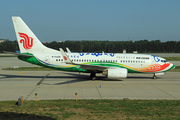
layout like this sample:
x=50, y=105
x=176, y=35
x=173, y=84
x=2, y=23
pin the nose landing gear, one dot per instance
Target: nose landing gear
x=154, y=76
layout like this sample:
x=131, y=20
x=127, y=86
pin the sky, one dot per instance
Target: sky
x=113, y=20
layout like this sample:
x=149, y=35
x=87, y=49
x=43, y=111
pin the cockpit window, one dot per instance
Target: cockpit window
x=164, y=61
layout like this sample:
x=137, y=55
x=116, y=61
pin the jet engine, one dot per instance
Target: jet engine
x=116, y=73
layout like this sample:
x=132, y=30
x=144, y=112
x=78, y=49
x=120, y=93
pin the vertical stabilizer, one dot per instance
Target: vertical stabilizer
x=27, y=41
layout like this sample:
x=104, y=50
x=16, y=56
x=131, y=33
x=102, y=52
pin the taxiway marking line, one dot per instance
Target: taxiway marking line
x=21, y=72
x=42, y=79
x=37, y=86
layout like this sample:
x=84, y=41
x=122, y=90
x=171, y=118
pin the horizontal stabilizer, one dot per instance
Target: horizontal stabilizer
x=19, y=54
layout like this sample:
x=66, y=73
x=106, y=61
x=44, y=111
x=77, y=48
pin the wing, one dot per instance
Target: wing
x=92, y=67
x=83, y=66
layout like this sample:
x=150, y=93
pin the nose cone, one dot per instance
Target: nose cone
x=172, y=66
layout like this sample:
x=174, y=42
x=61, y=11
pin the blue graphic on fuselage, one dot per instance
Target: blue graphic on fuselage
x=97, y=54
x=44, y=62
x=156, y=59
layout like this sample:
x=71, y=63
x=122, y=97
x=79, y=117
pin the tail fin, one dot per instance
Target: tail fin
x=27, y=41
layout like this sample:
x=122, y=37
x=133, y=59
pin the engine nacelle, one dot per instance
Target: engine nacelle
x=116, y=73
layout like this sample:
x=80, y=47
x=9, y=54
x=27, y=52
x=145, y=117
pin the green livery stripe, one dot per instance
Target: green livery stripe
x=33, y=60
x=170, y=68
x=76, y=68
x=113, y=64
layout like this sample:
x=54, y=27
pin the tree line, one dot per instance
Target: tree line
x=142, y=46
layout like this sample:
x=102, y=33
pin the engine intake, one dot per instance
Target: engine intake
x=116, y=73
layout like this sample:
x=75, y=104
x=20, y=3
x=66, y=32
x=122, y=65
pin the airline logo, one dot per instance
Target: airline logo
x=26, y=41
x=65, y=58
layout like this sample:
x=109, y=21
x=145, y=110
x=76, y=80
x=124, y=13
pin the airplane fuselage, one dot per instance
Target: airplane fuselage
x=134, y=63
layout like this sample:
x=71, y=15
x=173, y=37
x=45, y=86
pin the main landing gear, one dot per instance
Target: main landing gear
x=154, y=76
x=93, y=76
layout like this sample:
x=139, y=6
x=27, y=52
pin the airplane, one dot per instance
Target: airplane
x=112, y=65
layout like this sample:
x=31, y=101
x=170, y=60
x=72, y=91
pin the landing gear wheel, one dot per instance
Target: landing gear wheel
x=93, y=76
x=154, y=77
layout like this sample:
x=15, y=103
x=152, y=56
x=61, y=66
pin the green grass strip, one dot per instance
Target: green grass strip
x=29, y=69
x=92, y=109
x=176, y=69
x=172, y=58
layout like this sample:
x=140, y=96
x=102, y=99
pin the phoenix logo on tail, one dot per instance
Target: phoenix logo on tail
x=65, y=58
x=27, y=41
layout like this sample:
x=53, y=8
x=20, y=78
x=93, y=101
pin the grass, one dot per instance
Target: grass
x=29, y=69
x=92, y=109
x=172, y=58
x=177, y=69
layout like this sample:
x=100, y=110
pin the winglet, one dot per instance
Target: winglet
x=68, y=50
x=65, y=57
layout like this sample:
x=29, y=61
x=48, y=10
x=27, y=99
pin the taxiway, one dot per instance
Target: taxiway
x=64, y=85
